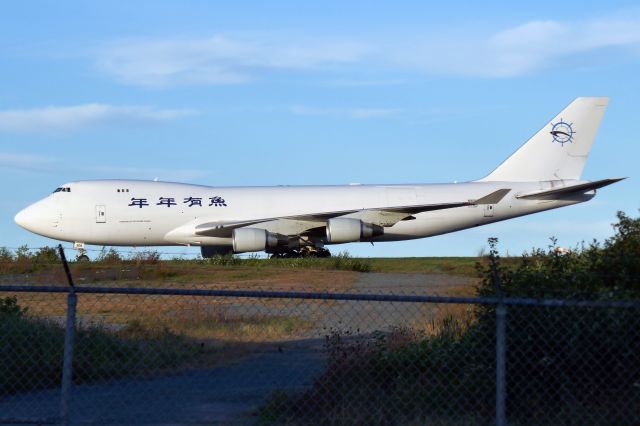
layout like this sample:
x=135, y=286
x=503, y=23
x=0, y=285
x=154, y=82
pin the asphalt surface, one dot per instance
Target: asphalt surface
x=224, y=395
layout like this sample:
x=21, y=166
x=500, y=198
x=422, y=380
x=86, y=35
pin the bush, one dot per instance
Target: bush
x=110, y=256
x=25, y=261
x=146, y=257
x=595, y=271
x=5, y=255
x=9, y=308
x=46, y=256
x=574, y=360
x=32, y=349
x=344, y=261
x=565, y=365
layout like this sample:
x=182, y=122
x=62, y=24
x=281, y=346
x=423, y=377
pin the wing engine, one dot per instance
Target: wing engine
x=348, y=230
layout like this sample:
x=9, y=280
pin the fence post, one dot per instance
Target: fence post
x=501, y=339
x=69, y=337
x=501, y=361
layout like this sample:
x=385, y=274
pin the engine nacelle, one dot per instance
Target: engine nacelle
x=349, y=230
x=211, y=251
x=253, y=239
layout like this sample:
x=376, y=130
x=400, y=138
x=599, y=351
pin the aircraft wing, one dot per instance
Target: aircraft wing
x=566, y=190
x=383, y=216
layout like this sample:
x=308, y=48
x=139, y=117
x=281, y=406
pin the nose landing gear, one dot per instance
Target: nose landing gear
x=82, y=253
x=81, y=257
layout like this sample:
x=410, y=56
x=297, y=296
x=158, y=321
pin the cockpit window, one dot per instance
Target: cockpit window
x=63, y=189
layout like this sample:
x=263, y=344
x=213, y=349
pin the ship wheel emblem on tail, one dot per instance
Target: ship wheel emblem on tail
x=562, y=132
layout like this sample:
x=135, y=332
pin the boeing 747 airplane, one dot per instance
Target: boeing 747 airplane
x=543, y=174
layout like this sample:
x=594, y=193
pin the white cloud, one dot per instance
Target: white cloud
x=63, y=119
x=354, y=113
x=218, y=59
x=56, y=166
x=526, y=48
x=521, y=49
x=27, y=162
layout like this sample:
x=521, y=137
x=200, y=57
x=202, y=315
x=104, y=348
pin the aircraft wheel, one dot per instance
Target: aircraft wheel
x=323, y=252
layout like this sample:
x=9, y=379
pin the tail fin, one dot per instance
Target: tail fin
x=560, y=149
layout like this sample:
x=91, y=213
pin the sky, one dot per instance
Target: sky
x=299, y=93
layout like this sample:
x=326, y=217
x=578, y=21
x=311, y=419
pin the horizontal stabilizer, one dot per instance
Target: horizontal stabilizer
x=571, y=189
x=493, y=198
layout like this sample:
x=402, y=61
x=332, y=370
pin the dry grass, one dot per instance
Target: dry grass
x=197, y=276
x=206, y=318
x=195, y=317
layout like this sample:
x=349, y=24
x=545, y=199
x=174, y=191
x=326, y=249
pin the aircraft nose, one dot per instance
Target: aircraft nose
x=41, y=217
x=23, y=218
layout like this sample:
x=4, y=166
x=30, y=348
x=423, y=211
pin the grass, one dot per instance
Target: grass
x=149, y=265
x=140, y=340
x=230, y=328
x=32, y=349
x=464, y=266
x=332, y=274
x=196, y=318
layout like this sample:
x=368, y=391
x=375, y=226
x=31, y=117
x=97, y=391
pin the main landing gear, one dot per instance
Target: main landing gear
x=306, y=251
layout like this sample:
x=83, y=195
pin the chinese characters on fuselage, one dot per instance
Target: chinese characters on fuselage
x=216, y=201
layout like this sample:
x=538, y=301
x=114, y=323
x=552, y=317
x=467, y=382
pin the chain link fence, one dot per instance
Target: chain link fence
x=123, y=355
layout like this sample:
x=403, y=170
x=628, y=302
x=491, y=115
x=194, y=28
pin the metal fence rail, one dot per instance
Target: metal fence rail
x=81, y=354
x=362, y=297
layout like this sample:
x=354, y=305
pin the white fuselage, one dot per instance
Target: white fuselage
x=148, y=213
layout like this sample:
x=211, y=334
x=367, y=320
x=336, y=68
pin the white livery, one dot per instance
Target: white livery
x=544, y=173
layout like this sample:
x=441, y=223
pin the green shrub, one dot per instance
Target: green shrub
x=23, y=252
x=146, y=257
x=25, y=261
x=110, y=256
x=9, y=307
x=565, y=365
x=5, y=255
x=344, y=261
x=46, y=256
x=32, y=349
